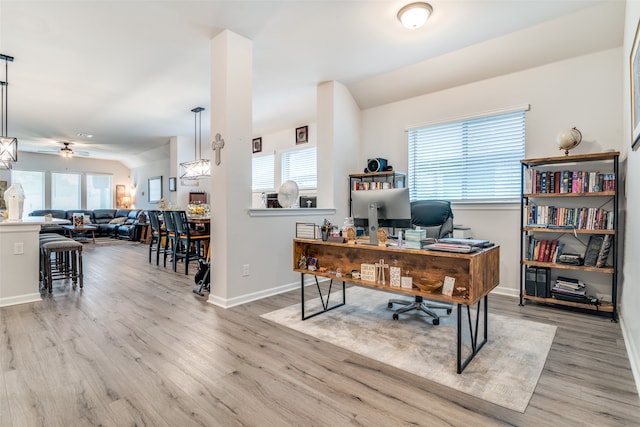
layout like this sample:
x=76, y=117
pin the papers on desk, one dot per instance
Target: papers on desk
x=447, y=247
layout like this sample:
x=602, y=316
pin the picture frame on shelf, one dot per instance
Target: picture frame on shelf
x=302, y=134
x=155, y=189
x=634, y=69
x=257, y=145
x=172, y=183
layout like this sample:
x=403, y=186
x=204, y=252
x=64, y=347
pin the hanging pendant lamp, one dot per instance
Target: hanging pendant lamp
x=8, y=145
x=199, y=168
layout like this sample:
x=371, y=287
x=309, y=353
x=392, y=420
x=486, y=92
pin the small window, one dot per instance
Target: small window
x=301, y=166
x=263, y=174
x=475, y=160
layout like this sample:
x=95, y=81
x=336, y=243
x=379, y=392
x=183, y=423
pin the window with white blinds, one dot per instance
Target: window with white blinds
x=474, y=160
x=263, y=173
x=301, y=166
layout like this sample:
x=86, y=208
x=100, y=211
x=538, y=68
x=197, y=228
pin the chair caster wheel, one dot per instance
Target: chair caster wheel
x=448, y=311
x=390, y=305
x=436, y=322
x=395, y=316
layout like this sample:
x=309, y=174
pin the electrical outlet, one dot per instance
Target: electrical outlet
x=18, y=248
x=245, y=269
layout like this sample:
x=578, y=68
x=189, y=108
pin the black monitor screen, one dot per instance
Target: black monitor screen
x=392, y=206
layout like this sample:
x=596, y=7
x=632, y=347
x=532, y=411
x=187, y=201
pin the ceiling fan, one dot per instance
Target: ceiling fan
x=66, y=150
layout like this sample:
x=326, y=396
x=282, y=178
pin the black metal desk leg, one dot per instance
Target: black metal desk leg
x=325, y=303
x=473, y=334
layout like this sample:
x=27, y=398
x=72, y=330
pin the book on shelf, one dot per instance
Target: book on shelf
x=530, y=277
x=543, y=282
x=593, y=250
x=603, y=254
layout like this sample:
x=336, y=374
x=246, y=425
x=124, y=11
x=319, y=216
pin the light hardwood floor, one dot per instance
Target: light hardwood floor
x=137, y=347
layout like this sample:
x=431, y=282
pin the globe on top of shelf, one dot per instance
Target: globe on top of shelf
x=288, y=194
x=568, y=139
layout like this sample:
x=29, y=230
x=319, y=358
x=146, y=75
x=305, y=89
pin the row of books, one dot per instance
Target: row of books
x=596, y=254
x=581, y=218
x=544, y=250
x=566, y=181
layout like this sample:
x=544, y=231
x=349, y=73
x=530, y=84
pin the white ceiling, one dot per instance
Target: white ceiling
x=129, y=72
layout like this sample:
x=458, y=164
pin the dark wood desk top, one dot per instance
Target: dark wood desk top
x=475, y=274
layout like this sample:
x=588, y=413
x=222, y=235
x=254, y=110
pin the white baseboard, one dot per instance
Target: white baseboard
x=510, y=292
x=22, y=299
x=632, y=351
x=243, y=299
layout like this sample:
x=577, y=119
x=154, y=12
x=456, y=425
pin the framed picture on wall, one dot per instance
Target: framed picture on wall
x=302, y=135
x=155, y=189
x=257, y=145
x=172, y=184
x=634, y=68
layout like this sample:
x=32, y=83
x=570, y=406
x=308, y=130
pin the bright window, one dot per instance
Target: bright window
x=65, y=191
x=263, y=173
x=474, y=160
x=300, y=166
x=33, y=185
x=99, y=192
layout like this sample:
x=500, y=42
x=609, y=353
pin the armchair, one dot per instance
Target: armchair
x=436, y=217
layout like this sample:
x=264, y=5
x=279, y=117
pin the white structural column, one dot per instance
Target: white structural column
x=230, y=184
x=338, y=125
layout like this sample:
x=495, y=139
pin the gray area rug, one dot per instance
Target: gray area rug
x=505, y=371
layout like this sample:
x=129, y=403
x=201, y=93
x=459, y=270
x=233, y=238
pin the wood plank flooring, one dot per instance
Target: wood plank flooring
x=137, y=347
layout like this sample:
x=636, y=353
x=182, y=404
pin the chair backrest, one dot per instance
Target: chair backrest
x=169, y=223
x=154, y=220
x=181, y=221
x=434, y=216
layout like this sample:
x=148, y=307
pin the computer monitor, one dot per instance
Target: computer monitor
x=381, y=208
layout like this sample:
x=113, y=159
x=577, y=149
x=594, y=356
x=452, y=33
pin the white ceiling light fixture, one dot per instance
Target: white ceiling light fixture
x=8, y=144
x=415, y=15
x=66, y=151
x=199, y=168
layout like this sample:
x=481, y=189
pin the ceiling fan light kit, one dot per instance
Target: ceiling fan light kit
x=8, y=145
x=199, y=168
x=66, y=151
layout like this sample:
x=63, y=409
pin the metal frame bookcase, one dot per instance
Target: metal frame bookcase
x=610, y=161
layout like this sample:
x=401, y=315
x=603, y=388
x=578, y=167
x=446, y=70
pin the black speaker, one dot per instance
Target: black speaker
x=376, y=165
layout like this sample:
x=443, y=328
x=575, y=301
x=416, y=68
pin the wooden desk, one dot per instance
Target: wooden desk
x=475, y=274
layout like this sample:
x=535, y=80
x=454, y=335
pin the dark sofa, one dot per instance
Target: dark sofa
x=124, y=226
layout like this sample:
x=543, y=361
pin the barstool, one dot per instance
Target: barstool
x=68, y=263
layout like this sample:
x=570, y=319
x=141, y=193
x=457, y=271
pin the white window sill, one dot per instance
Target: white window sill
x=291, y=211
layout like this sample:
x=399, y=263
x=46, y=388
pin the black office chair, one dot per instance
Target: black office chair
x=436, y=217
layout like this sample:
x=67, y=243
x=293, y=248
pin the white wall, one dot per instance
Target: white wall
x=158, y=165
x=630, y=291
x=583, y=92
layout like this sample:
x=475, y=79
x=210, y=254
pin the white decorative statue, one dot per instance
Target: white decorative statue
x=14, y=198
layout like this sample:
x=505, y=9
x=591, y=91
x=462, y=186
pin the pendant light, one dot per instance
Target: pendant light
x=8, y=145
x=199, y=168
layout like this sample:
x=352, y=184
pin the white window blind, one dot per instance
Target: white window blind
x=474, y=160
x=33, y=185
x=301, y=166
x=65, y=190
x=99, y=191
x=263, y=173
